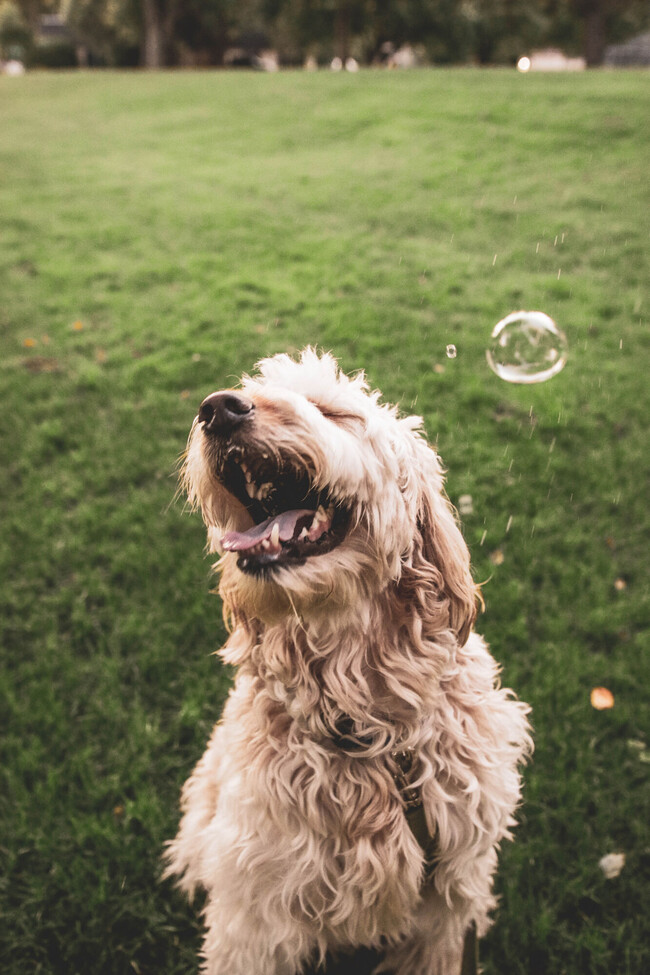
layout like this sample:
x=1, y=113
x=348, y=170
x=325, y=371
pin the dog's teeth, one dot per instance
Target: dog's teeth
x=303, y=534
x=275, y=535
x=250, y=489
x=264, y=490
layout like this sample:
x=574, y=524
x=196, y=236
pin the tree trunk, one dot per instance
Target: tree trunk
x=342, y=29
x=594, y=36
x=153, y=54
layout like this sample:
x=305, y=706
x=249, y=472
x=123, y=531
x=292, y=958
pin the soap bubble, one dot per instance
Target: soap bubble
x=527, y=347
x=452, y=351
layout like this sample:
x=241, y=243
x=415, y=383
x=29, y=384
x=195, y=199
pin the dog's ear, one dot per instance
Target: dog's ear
x=440, y=555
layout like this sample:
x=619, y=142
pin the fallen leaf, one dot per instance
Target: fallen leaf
x=185, y=394
x=620, y=584
x=78, y=326
x=29, y=343
x=497, y=557
x=196, y=357
x=601, y=698
x=612, y=864
x=118, y=811
x=100, y=356
x=439, y=368
x=41, y=363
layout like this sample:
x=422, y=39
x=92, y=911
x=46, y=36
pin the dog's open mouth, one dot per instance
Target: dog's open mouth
x=293, y=521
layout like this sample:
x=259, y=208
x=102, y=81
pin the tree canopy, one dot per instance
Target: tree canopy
x=158, y=33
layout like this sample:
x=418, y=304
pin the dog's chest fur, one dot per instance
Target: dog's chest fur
x=325, y=830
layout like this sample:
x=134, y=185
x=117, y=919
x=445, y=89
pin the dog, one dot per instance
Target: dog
x=362, y=694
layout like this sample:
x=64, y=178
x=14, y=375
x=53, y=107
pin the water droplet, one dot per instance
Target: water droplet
x=527, y=347
x=452, y=351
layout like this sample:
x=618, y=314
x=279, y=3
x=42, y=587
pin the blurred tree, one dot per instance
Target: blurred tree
x=360, y=27
x=167, y=32
x=15, y=33
x=103, y=27
x=159, y=28
x=324, y=24
x=505, y=29
x=33, y=10
x=603, y=21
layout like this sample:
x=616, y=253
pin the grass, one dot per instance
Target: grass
x=162, y=232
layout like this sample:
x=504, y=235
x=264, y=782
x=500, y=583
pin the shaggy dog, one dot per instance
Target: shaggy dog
x=361, y=689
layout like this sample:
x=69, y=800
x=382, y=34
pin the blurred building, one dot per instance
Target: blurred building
x=634, y=53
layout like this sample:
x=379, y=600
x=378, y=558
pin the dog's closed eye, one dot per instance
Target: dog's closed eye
x=330, y=413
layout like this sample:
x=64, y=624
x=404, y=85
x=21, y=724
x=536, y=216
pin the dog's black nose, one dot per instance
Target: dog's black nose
x=222, y=412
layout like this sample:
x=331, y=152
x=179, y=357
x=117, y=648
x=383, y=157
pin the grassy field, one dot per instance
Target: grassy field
x=159, y=233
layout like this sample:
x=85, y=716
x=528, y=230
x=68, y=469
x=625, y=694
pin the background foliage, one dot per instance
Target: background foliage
x=199, y=32
x=160, y=233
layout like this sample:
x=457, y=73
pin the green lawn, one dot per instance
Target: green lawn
x=158, y=234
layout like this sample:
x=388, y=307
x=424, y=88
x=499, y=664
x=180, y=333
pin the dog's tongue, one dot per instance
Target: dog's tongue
x=290, y=524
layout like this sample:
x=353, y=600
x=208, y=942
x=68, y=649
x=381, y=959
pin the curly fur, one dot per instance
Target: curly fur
x=302, y=847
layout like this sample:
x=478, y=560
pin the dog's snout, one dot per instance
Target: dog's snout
x=222, y=412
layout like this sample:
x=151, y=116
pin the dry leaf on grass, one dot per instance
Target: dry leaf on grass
x=612, y=864
x=41, y=363
x=601, y=698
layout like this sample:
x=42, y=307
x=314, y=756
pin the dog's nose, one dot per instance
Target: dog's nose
x=222, y=412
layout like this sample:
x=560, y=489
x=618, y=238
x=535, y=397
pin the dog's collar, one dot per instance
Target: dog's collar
x=343, y=736
x=403, y=766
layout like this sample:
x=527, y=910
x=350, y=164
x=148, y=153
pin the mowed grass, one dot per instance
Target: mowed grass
x=160, y=233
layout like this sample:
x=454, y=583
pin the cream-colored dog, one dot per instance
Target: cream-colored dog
x=348, y=585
